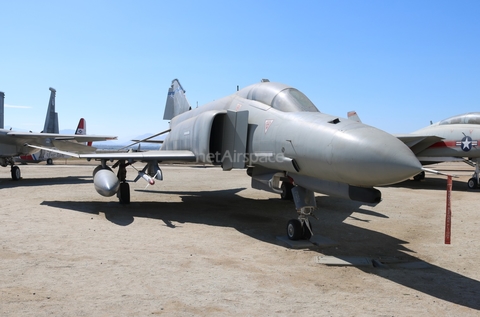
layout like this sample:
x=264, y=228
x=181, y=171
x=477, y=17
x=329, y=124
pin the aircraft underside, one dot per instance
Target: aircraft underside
x=472, y=183
x=300, y=189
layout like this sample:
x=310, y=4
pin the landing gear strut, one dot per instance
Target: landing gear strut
x=474, y=182
x=14, y=169
x=286, y=191
x=305, y=204
x=123, y=193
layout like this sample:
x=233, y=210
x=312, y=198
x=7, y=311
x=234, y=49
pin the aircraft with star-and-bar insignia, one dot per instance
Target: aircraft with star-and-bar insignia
x=453, y=139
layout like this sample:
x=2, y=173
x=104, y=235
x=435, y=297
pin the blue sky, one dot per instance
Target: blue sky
x=399, y=64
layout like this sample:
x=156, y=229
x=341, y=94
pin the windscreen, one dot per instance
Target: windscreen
x=469, y=118
x=292, y=100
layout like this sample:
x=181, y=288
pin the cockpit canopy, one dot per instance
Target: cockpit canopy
x=278, y=96
x=467, y=118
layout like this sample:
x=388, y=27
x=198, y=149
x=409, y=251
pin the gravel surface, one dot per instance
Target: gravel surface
x=203, y=243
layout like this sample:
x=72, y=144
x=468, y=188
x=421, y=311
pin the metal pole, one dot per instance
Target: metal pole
x=2, y=105
x=448, y=220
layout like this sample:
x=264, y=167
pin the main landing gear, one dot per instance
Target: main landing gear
x=14, y=169
x=474, y=182
x=123, y=193
x=420, y=176
x=149, y=173
x=305, y=204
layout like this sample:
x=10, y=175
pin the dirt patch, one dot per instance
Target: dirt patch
x=202, y=242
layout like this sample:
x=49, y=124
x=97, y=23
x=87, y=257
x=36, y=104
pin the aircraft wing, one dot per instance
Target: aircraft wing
x=418, y=143
x=65, y=142
x=171, y=156
x=60, y=137
x=177, y=155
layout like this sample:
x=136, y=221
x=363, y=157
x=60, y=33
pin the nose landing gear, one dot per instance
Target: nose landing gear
x=305, y=204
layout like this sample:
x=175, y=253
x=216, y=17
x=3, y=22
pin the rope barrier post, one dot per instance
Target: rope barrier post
x=448, y=220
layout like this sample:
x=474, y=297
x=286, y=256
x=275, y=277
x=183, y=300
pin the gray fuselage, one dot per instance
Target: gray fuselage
x=323, y=146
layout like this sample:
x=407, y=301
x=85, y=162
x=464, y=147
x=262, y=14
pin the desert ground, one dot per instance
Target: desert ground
x=203, y=243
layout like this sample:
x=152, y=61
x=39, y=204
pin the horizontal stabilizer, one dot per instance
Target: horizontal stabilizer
x=73, y=147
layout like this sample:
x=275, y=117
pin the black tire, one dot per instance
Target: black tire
x=49, y=161
x=294, y=230
x=16, y=174
x=306, y=233
x=124, y=193
x=286, y=191
x=420, y=176
x=472, y=183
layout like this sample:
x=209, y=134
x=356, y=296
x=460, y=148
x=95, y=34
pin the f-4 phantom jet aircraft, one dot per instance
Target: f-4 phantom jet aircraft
x=286, y=145
x=13, y=143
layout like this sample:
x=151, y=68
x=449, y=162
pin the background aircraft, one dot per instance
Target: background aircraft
x=453, y=139
x=49, y=156
x=285, y=143
x=13, y=143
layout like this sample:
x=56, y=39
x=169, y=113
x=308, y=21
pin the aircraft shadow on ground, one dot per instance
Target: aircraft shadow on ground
x=35, y=182
x=266, y=219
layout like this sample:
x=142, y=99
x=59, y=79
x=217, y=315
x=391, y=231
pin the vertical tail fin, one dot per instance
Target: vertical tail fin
x=2, y=107
x=51, y=120
x=177, y=102
x=82, y=129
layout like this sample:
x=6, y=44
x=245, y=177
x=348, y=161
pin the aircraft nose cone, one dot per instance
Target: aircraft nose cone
x=370, y=157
